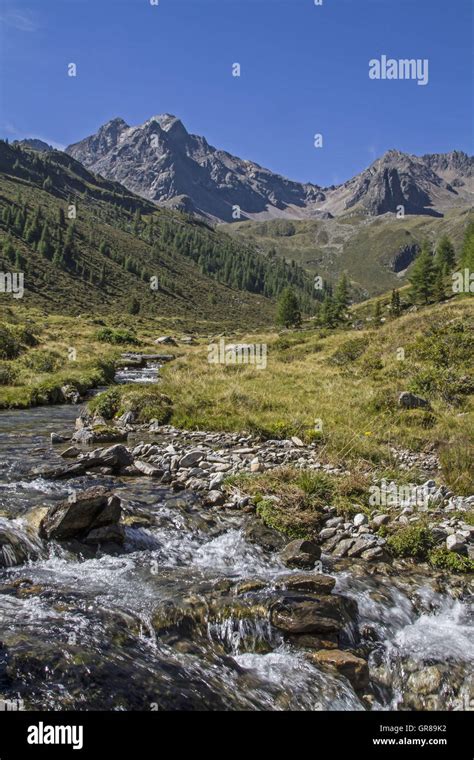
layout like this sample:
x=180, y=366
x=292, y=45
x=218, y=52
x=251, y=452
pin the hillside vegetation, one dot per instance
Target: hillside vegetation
x=375, y=252
x=84, y=243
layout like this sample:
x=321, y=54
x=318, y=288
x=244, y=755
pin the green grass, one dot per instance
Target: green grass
x=356, y=402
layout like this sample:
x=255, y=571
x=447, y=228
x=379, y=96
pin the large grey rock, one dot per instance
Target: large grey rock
x=191, y=458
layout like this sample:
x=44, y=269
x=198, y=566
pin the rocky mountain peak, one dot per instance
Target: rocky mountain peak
x=161, y=161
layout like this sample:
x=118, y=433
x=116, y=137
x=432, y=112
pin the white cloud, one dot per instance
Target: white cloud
x=21, y=20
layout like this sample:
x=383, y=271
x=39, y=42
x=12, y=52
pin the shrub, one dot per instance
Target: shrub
x=413, y=541
x=115, y=337
x=42, y=361
x=106, y=404
x=8, y=374
x=349, y=351
x=146, y=402
x=9, y=345
x=443, y=559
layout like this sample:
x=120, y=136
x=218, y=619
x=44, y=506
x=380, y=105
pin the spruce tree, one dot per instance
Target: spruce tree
x=445, y=257
x=288, y=310
x=423, y=276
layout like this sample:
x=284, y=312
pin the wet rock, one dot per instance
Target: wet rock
x=80, y=514
x=354, y=668
x=317, y=582
x=84, y=436
x=249, y=585
x=311, y=614
x=17, y=544
x=56, y=438
x=107, y=534
x=409, y=400
x=426, y=681
x=99, y=434
x=311, y=641
x=61, y=472
x=116, y=456
x=301, y=554
x=191, y=458
x=214, y=498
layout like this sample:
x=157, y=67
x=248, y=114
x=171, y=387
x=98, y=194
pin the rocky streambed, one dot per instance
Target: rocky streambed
x=133, y=577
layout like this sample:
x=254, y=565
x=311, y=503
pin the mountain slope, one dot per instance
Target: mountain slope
x=376, y=252
x=162, y=162
x=107, y=257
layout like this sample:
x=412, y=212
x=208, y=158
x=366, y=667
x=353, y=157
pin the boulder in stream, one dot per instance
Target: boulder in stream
x=92, y=516
x=301, y=553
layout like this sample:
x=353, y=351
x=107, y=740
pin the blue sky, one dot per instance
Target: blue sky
x=304, y=70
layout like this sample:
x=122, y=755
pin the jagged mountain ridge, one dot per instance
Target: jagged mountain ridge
x=162, y=162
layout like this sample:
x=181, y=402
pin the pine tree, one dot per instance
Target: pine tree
x=423, y=276
x=288, y=310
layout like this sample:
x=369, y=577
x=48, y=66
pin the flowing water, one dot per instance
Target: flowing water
x=86, y=631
